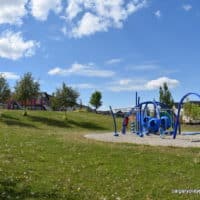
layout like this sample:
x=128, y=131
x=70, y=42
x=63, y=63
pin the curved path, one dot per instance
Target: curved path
x=152, y=140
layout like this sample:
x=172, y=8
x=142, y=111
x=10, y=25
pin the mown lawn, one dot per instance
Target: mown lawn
x=44, y=157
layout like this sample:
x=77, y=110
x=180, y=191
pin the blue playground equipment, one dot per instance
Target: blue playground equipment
x=152, y=117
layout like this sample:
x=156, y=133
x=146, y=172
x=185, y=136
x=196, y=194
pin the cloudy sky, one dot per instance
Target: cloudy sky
x=114, y=46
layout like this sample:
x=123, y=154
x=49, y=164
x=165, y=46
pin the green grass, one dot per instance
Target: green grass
x=43, y=156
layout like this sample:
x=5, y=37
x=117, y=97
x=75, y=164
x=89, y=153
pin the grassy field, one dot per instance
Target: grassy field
x=44, y=157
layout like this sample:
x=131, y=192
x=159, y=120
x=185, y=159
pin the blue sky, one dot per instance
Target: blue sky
x=116, y=46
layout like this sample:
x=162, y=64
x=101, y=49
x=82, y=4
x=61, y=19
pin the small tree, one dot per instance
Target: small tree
x=191, y=110
x=187, y=107
x=54, y=102
x=166, y=96
x=4, y=90
x=26, y=89
x=195, y=112
x=95, y=100
x=65, y=97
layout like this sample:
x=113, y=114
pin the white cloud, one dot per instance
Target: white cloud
x=13, y=46
x=154, y=84
x=86, y=17
x=158, y=14
x=134, y=84
x=83, y=86
x=10, y=75
x=83, y=17
x=41, y=8
x=81, y=70
x=113, y=61
x=141, y=84
x=12, y=11
x=125, y=81
x=56, y=71
x=144, y=67
x=187, y=7
x=89, y=25
x=73, y=9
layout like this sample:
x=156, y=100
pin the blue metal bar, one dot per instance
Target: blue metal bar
x=136, y=99
x=114, y=122
x=177, y=124
x=138, y=102
x=154, y=102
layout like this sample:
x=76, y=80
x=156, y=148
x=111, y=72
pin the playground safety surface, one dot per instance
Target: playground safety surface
x=188, y=140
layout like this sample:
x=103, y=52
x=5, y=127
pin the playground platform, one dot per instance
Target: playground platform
x=183, y=140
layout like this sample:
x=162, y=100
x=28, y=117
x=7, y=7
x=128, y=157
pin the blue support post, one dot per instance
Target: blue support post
x=136, y=99
x=114, y=122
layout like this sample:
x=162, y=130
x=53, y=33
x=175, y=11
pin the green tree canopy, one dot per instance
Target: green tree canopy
x=187, y=107
x=95, y=99
x=54, y=102
x=4, y=90
x=191, y=110
x=64, y=97
x=26, y=89
x=166, y=96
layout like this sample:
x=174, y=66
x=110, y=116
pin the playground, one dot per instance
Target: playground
x=152, y=123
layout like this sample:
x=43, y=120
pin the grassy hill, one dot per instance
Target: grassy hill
x=45, y=157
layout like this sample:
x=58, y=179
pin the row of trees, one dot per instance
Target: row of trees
x=27, y=88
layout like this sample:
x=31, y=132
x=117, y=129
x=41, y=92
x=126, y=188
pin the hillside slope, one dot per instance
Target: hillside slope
x=45, y=157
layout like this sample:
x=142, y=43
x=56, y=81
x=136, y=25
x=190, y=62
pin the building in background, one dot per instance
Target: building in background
x=42, y=102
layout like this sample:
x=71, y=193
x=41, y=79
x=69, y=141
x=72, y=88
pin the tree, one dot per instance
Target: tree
x=54, y=102
x=95, y=100
x=195, y=112
x=26, y=89
x=4, y=90
x=166, y=96
x=187, y=107
x=65, y=97
x=191, y=110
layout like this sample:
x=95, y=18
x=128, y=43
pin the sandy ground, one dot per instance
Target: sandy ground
x=152, y=140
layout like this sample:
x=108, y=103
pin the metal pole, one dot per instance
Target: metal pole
x=136, y=99
x=114, y=122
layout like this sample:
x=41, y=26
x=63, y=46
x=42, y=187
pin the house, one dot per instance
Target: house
x=13, y=105
x=119, y=114
x=42, y=102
